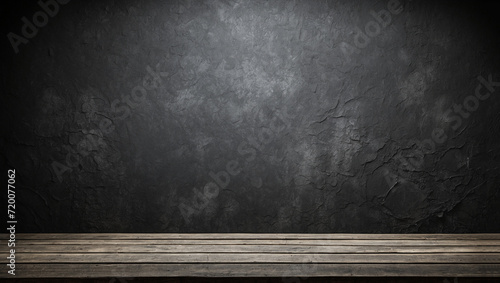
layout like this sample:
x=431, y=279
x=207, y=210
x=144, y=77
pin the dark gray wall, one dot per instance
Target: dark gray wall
x=252, y=116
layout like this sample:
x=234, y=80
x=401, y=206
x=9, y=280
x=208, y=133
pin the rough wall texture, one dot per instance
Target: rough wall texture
x=253, y=116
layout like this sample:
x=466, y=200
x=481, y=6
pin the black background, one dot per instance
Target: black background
x=233, y=70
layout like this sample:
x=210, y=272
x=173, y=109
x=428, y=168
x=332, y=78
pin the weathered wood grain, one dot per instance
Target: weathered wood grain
x=256, y=255
x=254, y=270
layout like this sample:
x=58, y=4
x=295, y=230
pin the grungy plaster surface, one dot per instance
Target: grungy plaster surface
x=253, y=116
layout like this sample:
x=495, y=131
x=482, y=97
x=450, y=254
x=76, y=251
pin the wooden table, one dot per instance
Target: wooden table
x=253, y=255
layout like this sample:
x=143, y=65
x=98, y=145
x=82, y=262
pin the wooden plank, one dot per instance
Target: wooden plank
x=306, y=242
x=252, y=270
x=250, y=249
x=255, y=255
x=243, y=236
x=256, y=258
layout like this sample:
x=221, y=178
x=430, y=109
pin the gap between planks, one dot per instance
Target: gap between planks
x=246, y=236
x=250, y=249
x=258, y=258
x=266, y=242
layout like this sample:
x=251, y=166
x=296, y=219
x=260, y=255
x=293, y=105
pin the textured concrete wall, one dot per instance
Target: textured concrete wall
x=252, y=116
